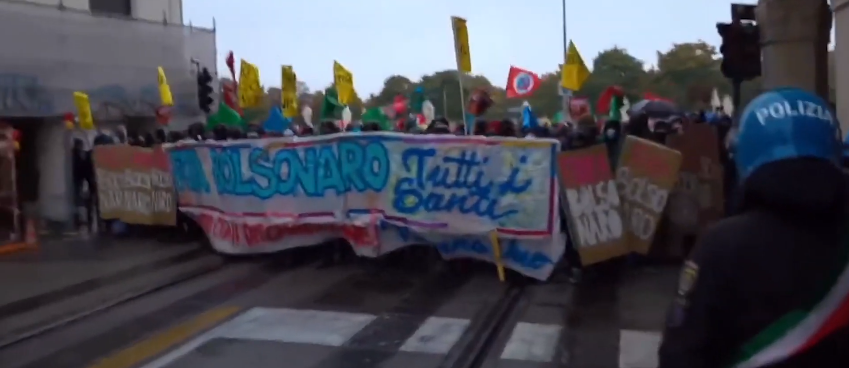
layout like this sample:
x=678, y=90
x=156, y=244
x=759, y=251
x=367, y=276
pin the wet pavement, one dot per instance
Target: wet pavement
x=273, y=314
x=71, y=266
x=65, y=280
x=617, y=320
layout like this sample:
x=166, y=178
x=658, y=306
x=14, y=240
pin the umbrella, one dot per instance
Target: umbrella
x=657, y=109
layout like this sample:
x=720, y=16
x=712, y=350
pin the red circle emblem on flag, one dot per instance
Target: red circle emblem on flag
x=523, y=83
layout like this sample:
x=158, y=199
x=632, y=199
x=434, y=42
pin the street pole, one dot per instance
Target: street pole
x=444, y=102
x=736, y=83
x=567, y=95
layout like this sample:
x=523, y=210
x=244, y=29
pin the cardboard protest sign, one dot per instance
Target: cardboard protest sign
x=699, y=186
x=646, y=174
x=134, y=185
x=592, y=203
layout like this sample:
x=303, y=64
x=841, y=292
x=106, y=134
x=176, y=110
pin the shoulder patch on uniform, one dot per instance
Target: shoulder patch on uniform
x=688, y=278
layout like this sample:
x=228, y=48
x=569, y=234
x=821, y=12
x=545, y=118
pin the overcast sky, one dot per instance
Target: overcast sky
x=377, y=38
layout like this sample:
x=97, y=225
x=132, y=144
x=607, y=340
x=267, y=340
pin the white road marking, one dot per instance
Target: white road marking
x=436, y=335
x=278, y=324
x=296, y=326
x=532, y=342
x=638, y=349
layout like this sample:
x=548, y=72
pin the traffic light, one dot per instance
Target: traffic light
x=205, y=90
x=751, y=51
x=741, y=50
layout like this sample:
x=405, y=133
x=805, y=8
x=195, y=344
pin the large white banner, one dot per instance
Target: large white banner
x=380, y=191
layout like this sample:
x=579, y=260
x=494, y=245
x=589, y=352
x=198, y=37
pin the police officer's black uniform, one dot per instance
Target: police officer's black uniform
x=751, y=269
x=746, y=295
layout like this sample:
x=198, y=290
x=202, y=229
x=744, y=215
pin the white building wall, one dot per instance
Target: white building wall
x=71, y=4
x=157, y=10
x=50, y=53
x=152, y=10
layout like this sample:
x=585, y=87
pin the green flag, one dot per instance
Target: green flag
x=557, y=119
x=417, y=99
x=331, y=108
x=376, y=115
x=615, y=108
x=225, y=116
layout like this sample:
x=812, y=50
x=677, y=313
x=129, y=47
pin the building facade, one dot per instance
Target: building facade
x=151, y=10
x=109, y=49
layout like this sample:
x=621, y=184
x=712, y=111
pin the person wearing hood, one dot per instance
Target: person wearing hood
x=481, y=127
x=584, y=134
x=438, y=126
x=769, y=285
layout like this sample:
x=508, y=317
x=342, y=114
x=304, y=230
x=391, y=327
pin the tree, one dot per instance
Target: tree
x=302, y=88
x=611, y=67
x=687, y=73
x=546, y=101
x=392, y=86
x=441, y=88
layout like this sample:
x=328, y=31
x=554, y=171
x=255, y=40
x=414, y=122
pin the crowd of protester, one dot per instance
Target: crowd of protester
x=584, y=132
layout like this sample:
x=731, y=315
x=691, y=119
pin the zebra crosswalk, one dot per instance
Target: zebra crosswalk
x=638, y=349
x=303, y=330
x=269, y=335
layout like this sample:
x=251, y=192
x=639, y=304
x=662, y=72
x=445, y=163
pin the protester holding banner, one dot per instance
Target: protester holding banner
x=769, y=286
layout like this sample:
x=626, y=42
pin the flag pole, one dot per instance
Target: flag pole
x=462, y=102
x=566, y=94
x=444, y=102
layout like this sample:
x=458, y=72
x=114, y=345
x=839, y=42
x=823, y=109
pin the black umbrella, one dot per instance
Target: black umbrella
x=658, y=109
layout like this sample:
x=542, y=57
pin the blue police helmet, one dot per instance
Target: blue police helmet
x=782, y=124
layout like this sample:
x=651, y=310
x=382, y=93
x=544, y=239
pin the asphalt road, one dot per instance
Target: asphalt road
x=264, y=314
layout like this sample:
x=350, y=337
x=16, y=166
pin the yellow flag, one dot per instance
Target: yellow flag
x=164, y=89
x=290, y=80
x=83, y=111
x=289, y=92
x=250, y=91
x=574, y=72
x=344, y=83
x=461, y=44
x=290, y=104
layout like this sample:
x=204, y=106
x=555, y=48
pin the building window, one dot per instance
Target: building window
x=119, y=7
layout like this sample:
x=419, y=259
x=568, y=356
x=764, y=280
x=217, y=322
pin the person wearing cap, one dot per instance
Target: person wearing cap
x=769, y=285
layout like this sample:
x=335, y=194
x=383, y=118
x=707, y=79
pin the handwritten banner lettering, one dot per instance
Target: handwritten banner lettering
x=434, y=186
x=532, y=257
x=593, y=204
x=647, y=172
x=134, y=185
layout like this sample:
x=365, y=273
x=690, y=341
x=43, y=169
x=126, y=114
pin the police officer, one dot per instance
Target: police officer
x=768, y=286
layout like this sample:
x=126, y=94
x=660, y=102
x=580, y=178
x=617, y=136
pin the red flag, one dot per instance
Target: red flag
x=602, y=106
x=579, y=107
x=230, y=61
x=654, y=97
x=399, y=105
x=230, y=96
x=521, y=82
x=479, y=102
